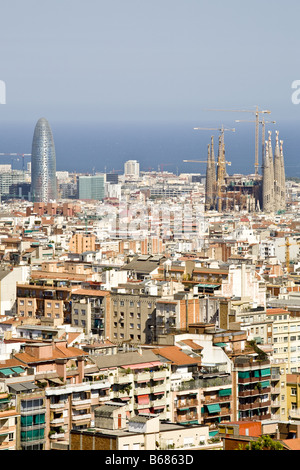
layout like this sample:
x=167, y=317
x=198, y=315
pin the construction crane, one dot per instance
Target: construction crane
x=23, y=155
x=221, y=162
x=161, y=166
x=263, y=127
x=257, y=112
x=287, y=252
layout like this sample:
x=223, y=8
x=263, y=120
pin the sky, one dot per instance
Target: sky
x=112, y=61
x=106, y=60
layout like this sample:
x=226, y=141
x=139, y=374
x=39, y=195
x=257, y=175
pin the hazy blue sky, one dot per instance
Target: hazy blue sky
x=107, y=60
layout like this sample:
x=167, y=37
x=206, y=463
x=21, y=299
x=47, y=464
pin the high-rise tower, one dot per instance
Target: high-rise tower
x=43, y=163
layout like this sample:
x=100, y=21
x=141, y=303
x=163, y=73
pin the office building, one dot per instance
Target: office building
x=91, y=187
x=132, y=168
x=43, y=163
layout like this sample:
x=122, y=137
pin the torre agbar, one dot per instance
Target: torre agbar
x=43, y=163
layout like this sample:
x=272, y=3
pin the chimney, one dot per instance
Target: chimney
x=80, y=366
x=61, y=368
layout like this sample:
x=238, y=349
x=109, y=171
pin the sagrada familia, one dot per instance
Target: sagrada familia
x=255, y=192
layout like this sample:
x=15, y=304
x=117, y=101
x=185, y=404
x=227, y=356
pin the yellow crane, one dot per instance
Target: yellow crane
x=263, y=127
x=287, y=252
x=257, y=112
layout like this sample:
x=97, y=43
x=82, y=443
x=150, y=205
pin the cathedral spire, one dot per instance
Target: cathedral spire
x=277, y=175
x=283, y=194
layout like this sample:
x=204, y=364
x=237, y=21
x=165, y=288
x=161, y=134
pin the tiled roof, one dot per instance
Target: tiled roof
x=175, y=355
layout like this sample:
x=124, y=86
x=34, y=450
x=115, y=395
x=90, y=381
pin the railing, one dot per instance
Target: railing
x=204, y=383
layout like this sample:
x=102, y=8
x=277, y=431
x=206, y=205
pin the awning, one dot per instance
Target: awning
x=17, y=387
x=17, y=370
x=145, y=411
x=225, y=392
x=143, y=365
x=209, y=286
x=143, y=399
x=213, y=408
x=22, y=387
x=6, y=371
x=222, y=345
x=29, y=385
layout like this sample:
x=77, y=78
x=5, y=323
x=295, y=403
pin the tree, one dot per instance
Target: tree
x=264, y=443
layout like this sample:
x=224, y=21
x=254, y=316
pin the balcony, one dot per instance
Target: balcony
x=57, y=406
x=254, y=392
x=185, y=418
x=254, y=405
x=142, y=390
x=187, y=403
x=57, y=421
x=159, y=374
x=81, y=417
x=78, y=402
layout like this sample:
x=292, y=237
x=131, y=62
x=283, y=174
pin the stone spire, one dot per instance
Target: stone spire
x=208, y=181
x=267, y=181
x=214, y=175
x=271, y=162
x=283, y=193
x=277, y=176
x=220, y=169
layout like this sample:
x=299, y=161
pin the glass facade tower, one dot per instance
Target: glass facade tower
x=43, y=163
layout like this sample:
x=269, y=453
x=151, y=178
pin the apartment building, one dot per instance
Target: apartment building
x=251, y=388
x=286, y=337
x=293, y=397
x=47, y=303
x=279, y=406
x=82, y=242
x=133, y=315
x=23, y=422
x=71, y=407
x=9, y=417
x=111, y=432
x=139, y=379
x=91, y=310
x=177, y=312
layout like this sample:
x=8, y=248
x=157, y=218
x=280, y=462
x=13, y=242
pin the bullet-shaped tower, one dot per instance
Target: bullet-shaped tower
x=43, y=163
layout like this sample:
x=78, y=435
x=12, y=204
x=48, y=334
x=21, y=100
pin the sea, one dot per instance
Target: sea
x=158, y=145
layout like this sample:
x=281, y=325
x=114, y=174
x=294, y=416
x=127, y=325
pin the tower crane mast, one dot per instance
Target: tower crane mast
x=257, y=112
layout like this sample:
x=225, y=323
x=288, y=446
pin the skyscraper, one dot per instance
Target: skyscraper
x=43, y=163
